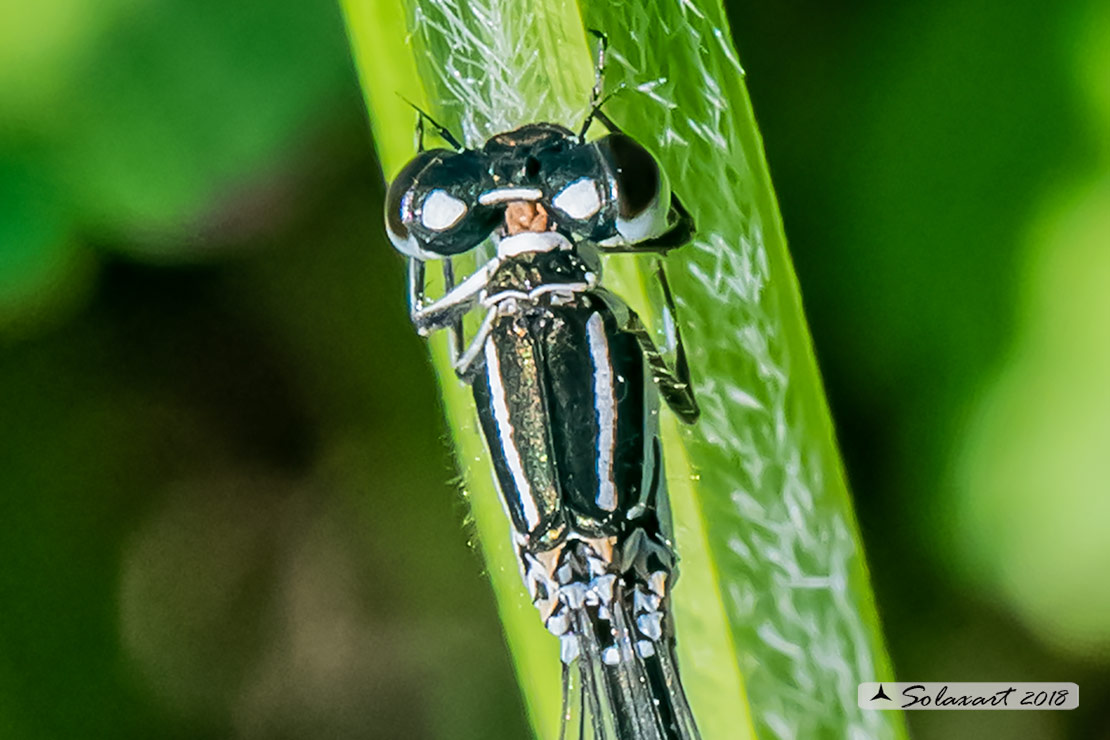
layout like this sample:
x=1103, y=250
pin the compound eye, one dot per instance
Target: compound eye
x=432, y=207
x=636, y=173
x=441, y=210
x=643, y=197
x=579, y=199
x=399, y=200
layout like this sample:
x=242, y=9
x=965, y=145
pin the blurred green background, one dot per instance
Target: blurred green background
x=227, y=502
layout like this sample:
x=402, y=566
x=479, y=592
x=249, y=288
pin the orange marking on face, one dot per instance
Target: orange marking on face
x=521, y=216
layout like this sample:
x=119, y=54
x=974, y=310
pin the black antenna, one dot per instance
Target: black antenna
x=599, y=69
x=596, y=101
x=597, y=114
x=443, y=131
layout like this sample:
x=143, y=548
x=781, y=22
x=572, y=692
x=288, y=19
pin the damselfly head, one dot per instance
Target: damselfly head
x=445, y=202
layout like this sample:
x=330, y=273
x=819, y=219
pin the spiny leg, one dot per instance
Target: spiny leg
x=673, y=383
x=416, y=285
x=455, y=340
x=448, y=312
x=464, y=364
x=681, y=365
x=460, y=299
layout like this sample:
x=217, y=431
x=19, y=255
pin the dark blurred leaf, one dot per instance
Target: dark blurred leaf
x=44, y=273
x=73, y=472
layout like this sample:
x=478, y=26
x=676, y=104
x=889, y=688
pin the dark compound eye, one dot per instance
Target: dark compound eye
x=636, y=173
x=398, y=200
x=643, y=198
x=432, y=207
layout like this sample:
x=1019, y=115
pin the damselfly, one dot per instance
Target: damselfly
x=566, y=379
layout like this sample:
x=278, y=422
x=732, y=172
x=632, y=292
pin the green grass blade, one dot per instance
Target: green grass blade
x=770, y=486
x=773, y=606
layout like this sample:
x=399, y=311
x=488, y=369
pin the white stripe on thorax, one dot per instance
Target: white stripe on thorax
x=531, y=241
x=605, y=403
x=505, y=436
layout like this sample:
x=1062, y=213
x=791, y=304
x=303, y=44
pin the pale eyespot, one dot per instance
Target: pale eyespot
x=579, y=200
x=441, y=211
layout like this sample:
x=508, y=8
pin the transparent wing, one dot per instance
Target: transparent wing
x=622, y=686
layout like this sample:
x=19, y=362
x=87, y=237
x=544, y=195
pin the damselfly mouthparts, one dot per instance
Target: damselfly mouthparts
x=566, y=380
